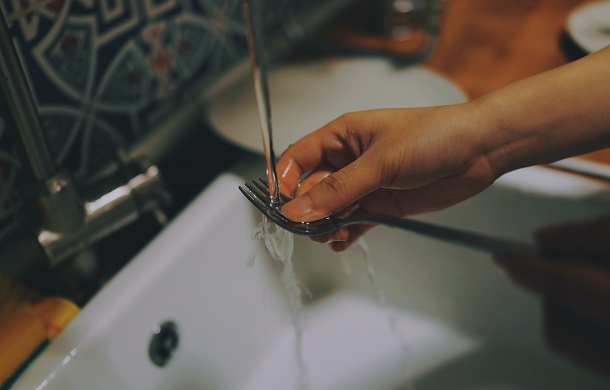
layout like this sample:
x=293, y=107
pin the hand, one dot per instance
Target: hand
x=575, y=290
x=394, y=161
x=408, y=161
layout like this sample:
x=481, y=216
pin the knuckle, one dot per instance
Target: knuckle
x=344, y=118
x=335, y=185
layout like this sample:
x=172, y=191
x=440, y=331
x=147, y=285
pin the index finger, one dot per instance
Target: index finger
x=307, y=154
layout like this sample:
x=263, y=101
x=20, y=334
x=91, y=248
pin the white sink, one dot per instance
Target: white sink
x=306, y=95
x=459, y=323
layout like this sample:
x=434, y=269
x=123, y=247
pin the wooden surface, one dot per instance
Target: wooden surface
x=483, y=44
x=486, y=44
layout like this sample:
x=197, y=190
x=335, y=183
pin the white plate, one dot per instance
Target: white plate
x=589, y=26
x=304, y=97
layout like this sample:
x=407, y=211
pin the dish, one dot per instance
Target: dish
x=304, y=97
x=589, y=26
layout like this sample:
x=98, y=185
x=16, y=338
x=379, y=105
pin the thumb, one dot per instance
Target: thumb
x=335, y=192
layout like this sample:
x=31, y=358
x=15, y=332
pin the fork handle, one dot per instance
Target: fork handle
x=473, y=240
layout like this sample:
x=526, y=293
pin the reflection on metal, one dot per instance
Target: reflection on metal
x=107, y=213
x=64, y=221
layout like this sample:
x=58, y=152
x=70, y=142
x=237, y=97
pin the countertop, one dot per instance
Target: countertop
x=486, y=44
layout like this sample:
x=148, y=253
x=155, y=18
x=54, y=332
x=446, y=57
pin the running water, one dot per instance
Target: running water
x=363, y=249
x=280, y=246
x=279, y=242
x=253, y=15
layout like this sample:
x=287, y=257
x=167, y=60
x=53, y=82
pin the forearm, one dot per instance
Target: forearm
x=550, y=116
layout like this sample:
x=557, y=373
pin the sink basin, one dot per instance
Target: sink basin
x=306, y=95
x=450, y=320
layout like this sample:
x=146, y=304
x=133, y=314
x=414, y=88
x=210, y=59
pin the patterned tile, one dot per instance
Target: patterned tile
x=100, y=68
x=101, y=71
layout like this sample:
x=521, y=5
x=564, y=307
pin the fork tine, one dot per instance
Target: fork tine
x=265, y=188
x=274, y=214
x=262, y=193
x=258, y=193
x=257, y=203
x=262, y=196
x=254, y=196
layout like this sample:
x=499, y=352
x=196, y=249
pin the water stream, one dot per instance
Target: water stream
x=253, y=15
x=279, y=242
x=280, y=246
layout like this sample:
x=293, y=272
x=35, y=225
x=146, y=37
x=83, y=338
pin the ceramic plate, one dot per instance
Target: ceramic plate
x=304, y=97
x=589, y=26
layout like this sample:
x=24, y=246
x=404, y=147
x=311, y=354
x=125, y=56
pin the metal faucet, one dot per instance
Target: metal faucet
x=66, y=220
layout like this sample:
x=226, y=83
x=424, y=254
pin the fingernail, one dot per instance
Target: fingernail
x=338, y=246
x=299, y=209
x=340, y=235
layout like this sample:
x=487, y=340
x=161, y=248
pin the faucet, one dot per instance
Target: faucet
x=65, y=220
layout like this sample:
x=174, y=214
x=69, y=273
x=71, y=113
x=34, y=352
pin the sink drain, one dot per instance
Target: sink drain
x=164, y=343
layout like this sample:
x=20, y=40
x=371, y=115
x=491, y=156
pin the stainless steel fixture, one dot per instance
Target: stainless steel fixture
x=67, y=219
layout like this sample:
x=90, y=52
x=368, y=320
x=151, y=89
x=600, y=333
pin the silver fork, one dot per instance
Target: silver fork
x=258, y=194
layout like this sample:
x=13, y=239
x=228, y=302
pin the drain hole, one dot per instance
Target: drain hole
x=164, y=343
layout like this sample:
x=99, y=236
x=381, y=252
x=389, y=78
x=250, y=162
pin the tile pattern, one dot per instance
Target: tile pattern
x=103, y=71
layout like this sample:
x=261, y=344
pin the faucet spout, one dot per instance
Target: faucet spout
x=64, y=223
x=20, y=113
x=58, y=203
x=106, y=213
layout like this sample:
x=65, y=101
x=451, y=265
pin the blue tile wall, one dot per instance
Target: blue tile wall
x=103, y=71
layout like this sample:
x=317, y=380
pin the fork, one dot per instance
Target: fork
x=258, y=194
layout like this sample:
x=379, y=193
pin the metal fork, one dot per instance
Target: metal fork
x=258, y=194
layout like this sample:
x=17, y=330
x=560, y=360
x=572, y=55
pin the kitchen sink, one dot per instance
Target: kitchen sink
x=203, y=306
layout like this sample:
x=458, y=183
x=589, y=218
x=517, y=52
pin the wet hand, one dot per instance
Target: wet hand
x=395, y=162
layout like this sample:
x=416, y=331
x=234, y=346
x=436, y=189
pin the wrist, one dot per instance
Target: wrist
x=493, y=138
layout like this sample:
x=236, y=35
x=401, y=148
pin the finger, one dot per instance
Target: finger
x=583, y=288
x=308, y=153
x=590, y=237
x=434, y=196
x=355, y=233
x=337, y=235
x=335, y=192
x=339, y=246
x=343, y=238
x=321, y=239
x=313, y=178
x=570, y=335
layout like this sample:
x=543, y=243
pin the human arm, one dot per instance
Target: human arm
x=409, y=161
